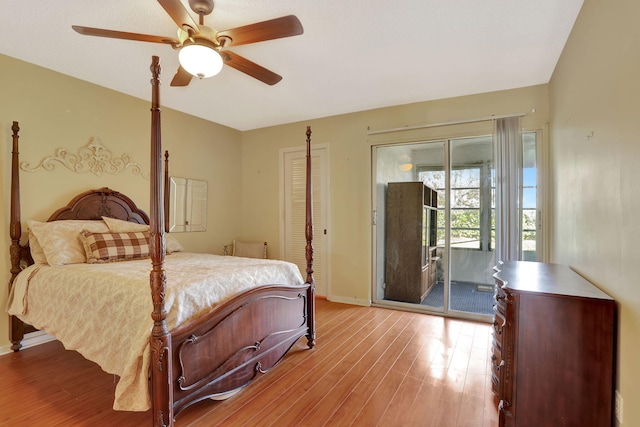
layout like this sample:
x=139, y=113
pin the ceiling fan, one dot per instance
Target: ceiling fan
x=203, y=50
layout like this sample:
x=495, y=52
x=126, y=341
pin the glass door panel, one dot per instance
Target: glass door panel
x=466, y=230
x=472, y=255
x=407, y=258
x=529, y=197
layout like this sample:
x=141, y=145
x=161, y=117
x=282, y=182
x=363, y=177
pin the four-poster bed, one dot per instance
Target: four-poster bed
x=217, y=349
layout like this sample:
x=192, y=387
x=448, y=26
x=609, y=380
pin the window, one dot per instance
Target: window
x=529, y=197
x=468, y=197
x=465, y=208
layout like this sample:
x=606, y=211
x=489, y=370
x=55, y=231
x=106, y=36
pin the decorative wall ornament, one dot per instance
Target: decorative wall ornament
x=93, y=157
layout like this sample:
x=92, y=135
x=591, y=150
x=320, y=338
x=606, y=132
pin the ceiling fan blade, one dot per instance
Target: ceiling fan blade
x=179, y=14
x=182, y=77
x=250, y=68
x=99, y=32
x=286, y=26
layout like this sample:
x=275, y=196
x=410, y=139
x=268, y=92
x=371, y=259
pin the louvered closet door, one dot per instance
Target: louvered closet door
x=293, y=190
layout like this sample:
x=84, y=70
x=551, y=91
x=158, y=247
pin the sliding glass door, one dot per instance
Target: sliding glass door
x=459, y=172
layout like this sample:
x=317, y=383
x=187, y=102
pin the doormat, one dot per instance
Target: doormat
x=464, y=297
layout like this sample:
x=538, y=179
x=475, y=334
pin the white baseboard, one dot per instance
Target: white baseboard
x=30, y=340
x=352, y=301
x=5, y=349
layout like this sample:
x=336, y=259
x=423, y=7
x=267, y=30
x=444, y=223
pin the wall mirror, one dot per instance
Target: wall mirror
x=187, y=205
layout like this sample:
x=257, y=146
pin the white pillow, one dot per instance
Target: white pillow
x=172, y=244
x=120, y=226
x=37, y=253
x=60, y=240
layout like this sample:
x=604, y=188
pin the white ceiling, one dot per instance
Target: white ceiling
x=354, y=55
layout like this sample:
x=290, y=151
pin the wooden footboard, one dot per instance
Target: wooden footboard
x=224, y=350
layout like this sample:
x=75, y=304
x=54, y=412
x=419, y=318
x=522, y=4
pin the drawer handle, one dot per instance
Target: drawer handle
x=495, y=328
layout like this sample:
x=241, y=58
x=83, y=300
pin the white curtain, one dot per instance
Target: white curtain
x=508, y=172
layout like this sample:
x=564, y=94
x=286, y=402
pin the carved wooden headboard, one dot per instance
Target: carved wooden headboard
x=94, y=204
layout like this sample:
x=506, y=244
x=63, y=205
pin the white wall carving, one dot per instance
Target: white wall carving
x=93, y=157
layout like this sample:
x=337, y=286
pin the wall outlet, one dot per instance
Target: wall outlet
x=619, y=407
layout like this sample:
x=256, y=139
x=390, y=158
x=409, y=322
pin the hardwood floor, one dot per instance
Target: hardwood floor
x=371, y=366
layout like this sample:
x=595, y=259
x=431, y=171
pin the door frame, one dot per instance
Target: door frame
x=321, y=225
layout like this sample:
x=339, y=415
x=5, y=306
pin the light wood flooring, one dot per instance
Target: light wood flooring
x=370, y=367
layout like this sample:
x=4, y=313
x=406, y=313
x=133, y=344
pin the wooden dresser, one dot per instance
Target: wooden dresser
x=553, y=347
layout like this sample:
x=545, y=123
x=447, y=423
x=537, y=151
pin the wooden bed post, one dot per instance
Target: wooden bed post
x=311, y=295
x=167, y=192
x=160, y=341
x=15, y=231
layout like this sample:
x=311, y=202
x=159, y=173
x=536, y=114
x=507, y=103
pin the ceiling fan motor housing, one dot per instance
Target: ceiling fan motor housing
x=201, y=7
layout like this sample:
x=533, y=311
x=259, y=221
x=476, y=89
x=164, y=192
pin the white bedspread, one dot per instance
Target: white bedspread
x=103, y=311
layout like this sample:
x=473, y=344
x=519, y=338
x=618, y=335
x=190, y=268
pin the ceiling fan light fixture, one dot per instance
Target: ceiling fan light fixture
x=200, y=60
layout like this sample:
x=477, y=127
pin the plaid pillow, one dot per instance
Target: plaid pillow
x=110, y=247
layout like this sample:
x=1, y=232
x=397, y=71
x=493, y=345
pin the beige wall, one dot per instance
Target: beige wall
x=591, y=103
x=595, y=150
x=56, y=111
x=350, y=170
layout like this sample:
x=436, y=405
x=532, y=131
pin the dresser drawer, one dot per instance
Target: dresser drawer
x=499, y=320
x=500, y=304
x=497, y=368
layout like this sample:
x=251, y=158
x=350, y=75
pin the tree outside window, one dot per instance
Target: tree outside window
x=466, y=203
